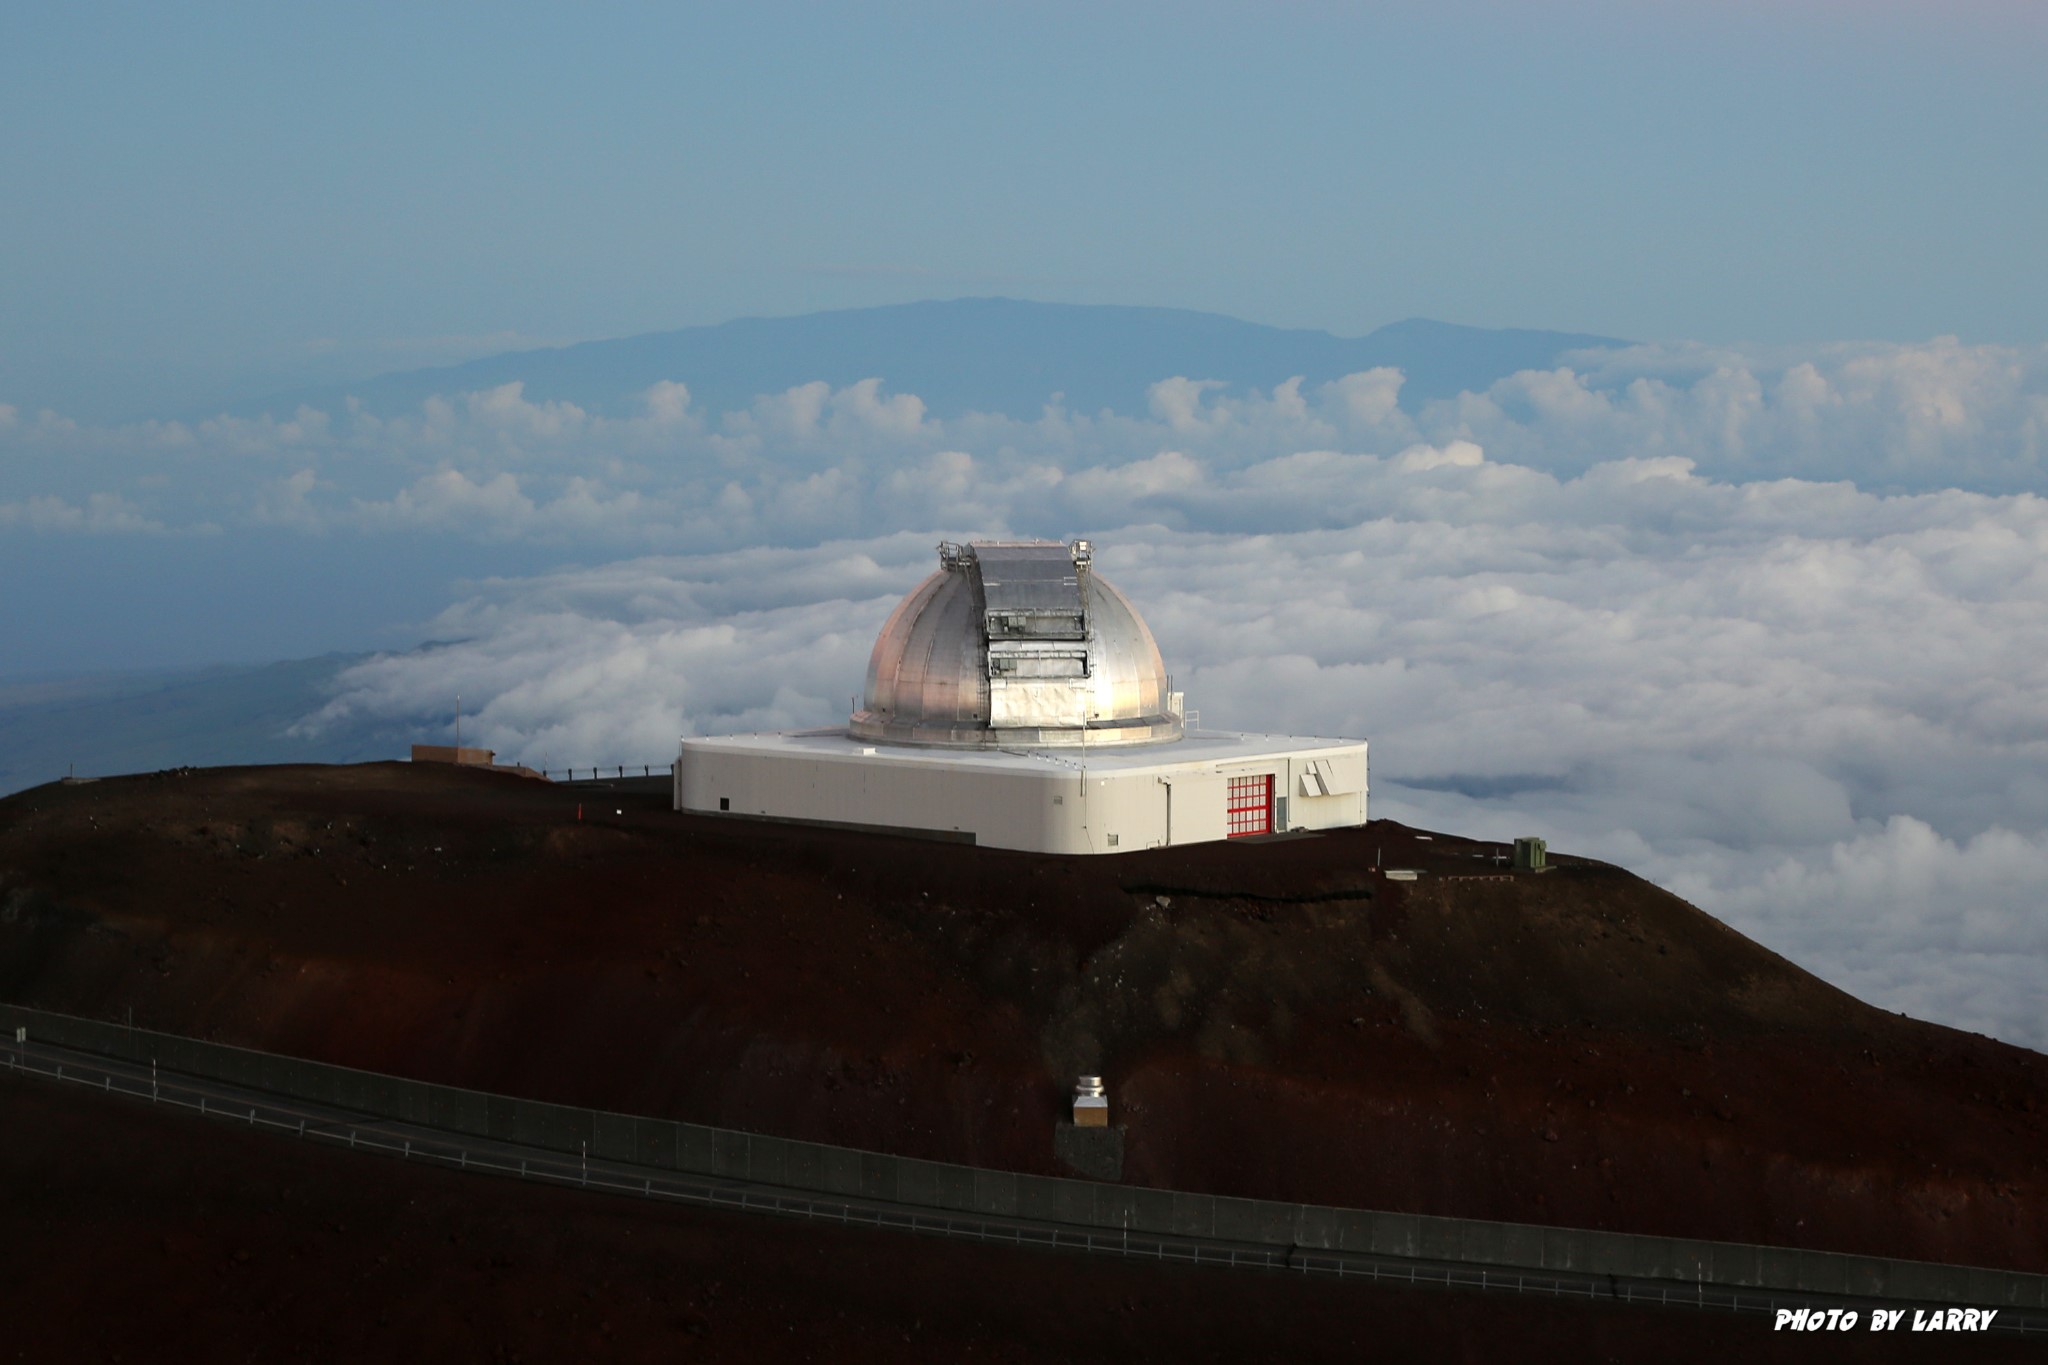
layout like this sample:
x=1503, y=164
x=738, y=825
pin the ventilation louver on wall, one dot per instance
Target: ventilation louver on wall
x=1321, y=777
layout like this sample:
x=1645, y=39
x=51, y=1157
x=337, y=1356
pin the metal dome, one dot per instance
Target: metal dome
x=1016, y=644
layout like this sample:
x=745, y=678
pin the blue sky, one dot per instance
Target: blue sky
x=206, y=198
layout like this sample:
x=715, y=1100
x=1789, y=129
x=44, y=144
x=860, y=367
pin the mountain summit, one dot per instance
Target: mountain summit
x=994, y=355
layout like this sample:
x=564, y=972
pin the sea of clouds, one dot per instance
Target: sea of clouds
x=1770, y=629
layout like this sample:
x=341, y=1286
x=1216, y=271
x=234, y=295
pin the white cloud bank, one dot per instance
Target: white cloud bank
x=95, y=514
x=1819, y=713
x=1728, y=618
x=816, y=462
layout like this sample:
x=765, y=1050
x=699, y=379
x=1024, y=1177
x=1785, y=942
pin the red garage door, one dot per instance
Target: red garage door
x=1251, y=806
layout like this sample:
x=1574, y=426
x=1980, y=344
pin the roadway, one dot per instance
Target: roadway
x=372, y=1135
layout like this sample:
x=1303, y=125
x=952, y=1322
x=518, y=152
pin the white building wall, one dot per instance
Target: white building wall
x=1016, y=801
x=1007, y=810
x=1122, y=811
x=1195, y=803
x=1327, y=790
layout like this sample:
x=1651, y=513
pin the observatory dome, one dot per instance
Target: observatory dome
x=1016, y=644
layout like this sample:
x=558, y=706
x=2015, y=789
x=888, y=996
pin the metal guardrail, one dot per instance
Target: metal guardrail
x=365, y=1134
x=612, y=773
x=733, y=1169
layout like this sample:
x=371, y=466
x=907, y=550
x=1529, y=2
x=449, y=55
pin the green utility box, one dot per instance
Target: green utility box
x=1530, y=854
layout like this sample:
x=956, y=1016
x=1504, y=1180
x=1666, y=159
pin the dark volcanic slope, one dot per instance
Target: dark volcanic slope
x=1273, y=1019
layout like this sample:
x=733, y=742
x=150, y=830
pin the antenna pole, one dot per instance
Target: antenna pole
x=458, y=720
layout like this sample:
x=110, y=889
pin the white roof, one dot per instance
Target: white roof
x=1202, y=749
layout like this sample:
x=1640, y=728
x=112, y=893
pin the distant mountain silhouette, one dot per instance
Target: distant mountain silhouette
x=988, y=355
x=117, y=723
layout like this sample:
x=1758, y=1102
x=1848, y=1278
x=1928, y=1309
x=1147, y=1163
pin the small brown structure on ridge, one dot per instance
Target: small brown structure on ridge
x=449, y=753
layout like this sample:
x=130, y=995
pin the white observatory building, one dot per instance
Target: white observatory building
x=1015, y=699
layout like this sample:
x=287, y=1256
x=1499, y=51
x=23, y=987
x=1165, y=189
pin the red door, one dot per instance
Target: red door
x=1250, y=809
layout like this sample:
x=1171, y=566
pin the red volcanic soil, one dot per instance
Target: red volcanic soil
x=1274, y=1019
x=131, y=1233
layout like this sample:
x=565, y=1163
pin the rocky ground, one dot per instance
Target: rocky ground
x=1274, y=1018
